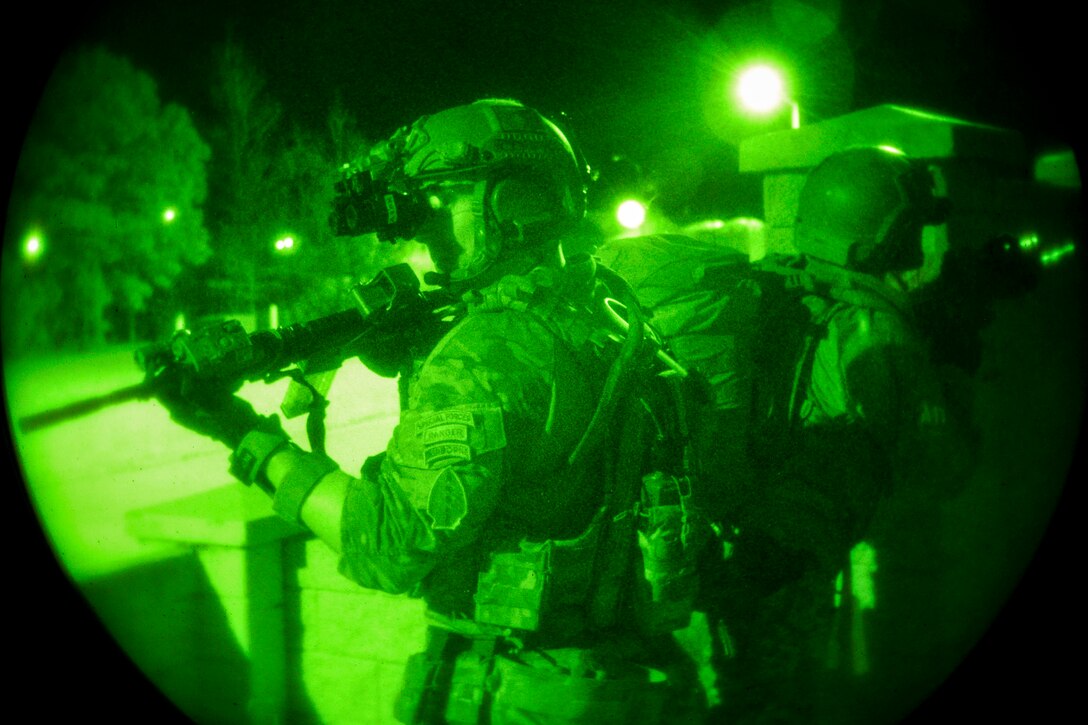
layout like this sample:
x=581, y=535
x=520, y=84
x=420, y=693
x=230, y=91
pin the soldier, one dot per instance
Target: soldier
x=506, y=495
x=821, y=402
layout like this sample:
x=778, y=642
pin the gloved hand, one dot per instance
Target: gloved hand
x=210, y=409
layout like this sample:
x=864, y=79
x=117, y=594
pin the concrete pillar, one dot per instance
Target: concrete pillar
x=239, y=544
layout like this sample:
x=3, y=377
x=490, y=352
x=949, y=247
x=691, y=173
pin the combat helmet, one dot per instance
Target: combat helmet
x=864, y=209
x=527, y=180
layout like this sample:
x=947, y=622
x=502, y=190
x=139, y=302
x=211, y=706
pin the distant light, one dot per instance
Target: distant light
x=631, y=214
x=1053, y=256
x=863, y=564
x=33, y=247
x=761, y=89
x=169, y=215
x=892, y=150
x=286, y=244
x=1029, y=241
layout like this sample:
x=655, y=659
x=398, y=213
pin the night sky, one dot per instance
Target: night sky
x=636, y=78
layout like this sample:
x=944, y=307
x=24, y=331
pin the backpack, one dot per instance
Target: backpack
x=741, y=328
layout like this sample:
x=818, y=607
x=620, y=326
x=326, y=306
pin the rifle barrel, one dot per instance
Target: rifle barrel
x=139, y=391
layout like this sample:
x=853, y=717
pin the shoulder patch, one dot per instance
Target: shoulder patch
x=446, y=437
x=443, y=433
x=449, y=416
x=443, y=454
x=447, y=505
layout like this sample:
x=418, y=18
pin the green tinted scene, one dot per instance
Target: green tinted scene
x=327, y=401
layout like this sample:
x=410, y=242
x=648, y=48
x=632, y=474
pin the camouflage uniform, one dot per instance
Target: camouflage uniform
x=870, y=421
x=821, y=401
x=474, y=507
x=530, y=493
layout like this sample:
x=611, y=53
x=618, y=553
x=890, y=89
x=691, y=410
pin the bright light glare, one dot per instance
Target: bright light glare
x=1029, y=240
x=760, y=89
x=169, y=215
x=285, y=244
x=631, y=214
x=1055, y=255
x=32, y=248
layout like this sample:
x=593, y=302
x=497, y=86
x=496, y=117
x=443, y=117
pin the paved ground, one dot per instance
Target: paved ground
x=85, y=474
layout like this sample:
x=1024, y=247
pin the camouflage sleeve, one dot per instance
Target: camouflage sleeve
x=480, y=398
x=903, y=402
x=873, y=416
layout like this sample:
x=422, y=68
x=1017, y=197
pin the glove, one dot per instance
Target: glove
x=210, y=409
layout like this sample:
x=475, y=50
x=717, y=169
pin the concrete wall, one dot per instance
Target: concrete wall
x=254, y=623
x=348, y=645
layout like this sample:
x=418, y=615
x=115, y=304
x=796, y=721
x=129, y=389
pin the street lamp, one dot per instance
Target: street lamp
x=761, y=89
x=631, y=214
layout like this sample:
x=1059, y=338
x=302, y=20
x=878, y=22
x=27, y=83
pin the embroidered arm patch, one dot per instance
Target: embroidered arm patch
x=447, y=504
x=429, y=453
x=444, y=437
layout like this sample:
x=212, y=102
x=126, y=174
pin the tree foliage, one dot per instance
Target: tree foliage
x=103, y=161
x=273, y=178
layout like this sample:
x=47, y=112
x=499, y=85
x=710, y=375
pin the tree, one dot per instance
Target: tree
x=243, y=210
x=272, y=178
x=111, y=181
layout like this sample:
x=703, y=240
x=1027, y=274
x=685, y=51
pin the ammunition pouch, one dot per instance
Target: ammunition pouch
x=670, y=535
x=448, y=682
x=542, y=585
x=466, y=681
x=535, y=694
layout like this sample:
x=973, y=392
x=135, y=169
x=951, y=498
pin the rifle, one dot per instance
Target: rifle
x=225, y=355
x=954, y=309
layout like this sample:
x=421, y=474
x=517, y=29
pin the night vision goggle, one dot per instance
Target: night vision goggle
x=363, y=204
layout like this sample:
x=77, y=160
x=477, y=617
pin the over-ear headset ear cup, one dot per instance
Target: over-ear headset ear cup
x=522, y=201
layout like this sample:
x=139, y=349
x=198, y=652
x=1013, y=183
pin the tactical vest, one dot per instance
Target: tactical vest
x=636, y=557
x=800, y=299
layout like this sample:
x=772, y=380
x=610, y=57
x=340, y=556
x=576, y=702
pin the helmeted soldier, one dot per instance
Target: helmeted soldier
x=865, y=421
x=522, y=494
x=821, y=403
